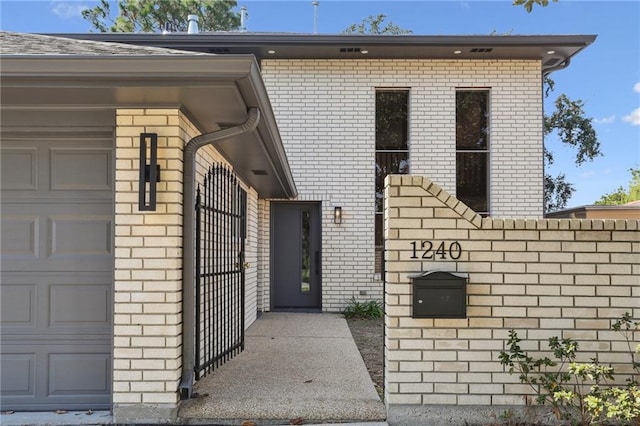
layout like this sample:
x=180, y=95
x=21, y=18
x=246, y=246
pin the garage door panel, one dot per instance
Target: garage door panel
x=71, y=374
x=79, y=236
x=18, y=374
x=59, y=241
x=56, y=306
x=62, y=169
x=50, y=375
x=19, y=169
x=18, y=306
x=80, y=306
x=20, y=236
x=81, y=169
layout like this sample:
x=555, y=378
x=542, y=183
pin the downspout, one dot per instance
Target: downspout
x=188, y=241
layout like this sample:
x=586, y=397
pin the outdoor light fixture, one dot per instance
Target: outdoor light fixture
x=149, y=173
x=337, y=215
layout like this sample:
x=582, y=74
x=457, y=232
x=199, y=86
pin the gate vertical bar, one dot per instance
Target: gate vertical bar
x=243, y=235
x=216, y=269
x=209, y=263
x=238, y=272
x=198, y=278
x=206, y=255
x=226, y=261
x=239, y=265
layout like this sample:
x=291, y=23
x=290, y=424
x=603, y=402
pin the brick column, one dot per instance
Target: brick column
x=148, y=263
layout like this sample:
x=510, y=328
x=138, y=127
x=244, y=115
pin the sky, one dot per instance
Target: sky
x=605, y=76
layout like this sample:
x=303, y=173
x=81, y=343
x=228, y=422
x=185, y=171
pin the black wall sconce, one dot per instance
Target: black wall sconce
x=337, y=215
x=149, y=172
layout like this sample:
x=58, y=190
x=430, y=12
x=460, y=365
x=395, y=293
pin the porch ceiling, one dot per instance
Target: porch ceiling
x=214, y=91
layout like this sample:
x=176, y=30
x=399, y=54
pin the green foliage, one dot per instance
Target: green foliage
x=626, y=326
x=374, y=25
x=573, y=128
x=528, y=4
x=557, y=192
x=370, y=309
x=622, y=196
x=584, y=387
x=541, y=373
x=157, y=16
x=617, y=403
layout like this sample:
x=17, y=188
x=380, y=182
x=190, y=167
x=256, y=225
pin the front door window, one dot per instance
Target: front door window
x=305, y=236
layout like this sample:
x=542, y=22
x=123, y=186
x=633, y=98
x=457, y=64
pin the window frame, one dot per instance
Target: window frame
x=378, y=214
x=489, y=142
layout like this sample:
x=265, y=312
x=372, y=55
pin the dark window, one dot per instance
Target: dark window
x=472, y=149
x=392, y=151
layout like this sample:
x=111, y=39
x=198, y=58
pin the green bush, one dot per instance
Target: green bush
x=370, y=309
x=571, y=387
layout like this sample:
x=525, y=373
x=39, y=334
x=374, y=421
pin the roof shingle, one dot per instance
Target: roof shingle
x=35, y=44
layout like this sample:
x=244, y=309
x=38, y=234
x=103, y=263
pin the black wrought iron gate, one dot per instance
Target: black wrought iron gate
x=221, y=206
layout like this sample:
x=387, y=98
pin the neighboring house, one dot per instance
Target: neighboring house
x=85, y=269
x=625, y=211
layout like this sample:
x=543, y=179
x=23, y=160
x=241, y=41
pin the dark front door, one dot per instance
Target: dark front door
x=296, y=256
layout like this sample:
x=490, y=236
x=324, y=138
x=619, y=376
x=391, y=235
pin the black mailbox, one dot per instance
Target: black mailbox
x=438, y=294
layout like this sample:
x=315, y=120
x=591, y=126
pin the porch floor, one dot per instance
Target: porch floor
x=295, y=365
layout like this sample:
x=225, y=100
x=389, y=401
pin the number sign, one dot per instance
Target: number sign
x=427, y=250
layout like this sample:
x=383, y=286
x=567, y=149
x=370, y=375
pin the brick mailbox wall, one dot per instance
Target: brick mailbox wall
x=542, y=278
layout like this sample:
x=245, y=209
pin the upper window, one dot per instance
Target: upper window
x=392, y=151
x=472, y=149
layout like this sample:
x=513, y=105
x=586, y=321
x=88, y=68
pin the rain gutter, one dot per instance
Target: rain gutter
x=188, y=241
x=562, y=65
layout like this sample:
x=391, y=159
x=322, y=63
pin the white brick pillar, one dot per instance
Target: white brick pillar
x=148, y=262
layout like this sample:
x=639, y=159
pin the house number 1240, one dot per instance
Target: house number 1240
x=426, y=248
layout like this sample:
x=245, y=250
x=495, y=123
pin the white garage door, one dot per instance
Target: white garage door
x=57, y=271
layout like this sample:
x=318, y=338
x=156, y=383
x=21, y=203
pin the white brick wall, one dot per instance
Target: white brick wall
x=326, y=114
x=148, y=287
x=543, y=278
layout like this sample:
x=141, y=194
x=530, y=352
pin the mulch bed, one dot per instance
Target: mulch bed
x=369, y=337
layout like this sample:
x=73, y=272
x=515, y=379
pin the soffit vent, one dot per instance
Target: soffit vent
x=552, y=62
x=259, y=172
x=481, y=50
x=349, y=50
x=219, y=50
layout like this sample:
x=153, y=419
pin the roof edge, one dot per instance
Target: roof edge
x=179, y=67
x=295, y=38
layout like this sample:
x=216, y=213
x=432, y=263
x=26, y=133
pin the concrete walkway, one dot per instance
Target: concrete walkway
x=295, y=365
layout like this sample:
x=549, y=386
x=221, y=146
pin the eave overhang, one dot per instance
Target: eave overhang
x=551, y=50
x=215, y=92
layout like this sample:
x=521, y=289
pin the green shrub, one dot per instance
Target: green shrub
x=370, y=309
x=571, y=387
